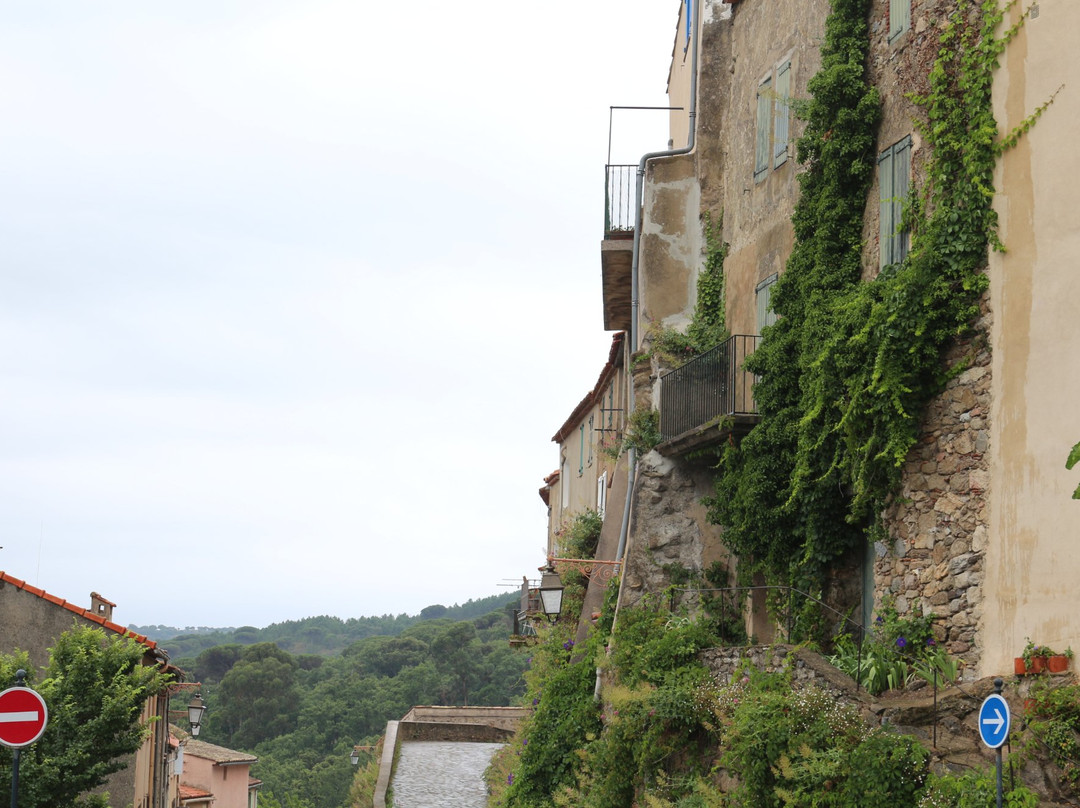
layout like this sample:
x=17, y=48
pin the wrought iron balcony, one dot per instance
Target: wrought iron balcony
x=707, y=389
x=619, y=193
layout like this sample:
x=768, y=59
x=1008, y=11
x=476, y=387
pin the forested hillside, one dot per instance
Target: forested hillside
x=302, y=712
x=312, y=635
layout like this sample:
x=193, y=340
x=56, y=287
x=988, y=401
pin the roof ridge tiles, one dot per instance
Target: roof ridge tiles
x=116, y=628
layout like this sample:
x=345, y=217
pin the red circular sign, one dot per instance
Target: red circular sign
x=23, y=716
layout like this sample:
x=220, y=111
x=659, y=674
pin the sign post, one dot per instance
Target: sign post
x=994, y=723
x=23, y=716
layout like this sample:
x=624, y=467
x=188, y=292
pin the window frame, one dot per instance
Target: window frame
x=894, y=186
x=763, y=130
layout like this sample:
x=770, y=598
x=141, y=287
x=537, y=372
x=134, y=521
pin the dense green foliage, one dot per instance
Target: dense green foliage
x=779, y=495
x=301, y=714
x=665, y=734
x=708, y=326
x=579, y=537
x=95, y=687
x=313, y=635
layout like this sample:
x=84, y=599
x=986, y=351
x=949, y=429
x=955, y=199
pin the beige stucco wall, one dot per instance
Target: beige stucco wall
x=1033, y=564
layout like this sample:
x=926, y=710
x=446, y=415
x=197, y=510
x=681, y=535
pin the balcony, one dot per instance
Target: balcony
x=709, y=398
x=616, y=251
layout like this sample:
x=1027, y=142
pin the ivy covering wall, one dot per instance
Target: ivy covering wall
x=849, y=367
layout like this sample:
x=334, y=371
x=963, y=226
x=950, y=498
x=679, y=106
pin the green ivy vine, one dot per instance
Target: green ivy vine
x=849, y=367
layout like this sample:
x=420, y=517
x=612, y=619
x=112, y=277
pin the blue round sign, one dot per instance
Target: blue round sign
x=994, y=720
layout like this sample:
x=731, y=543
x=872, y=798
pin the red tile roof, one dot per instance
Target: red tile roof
x=79, y=610
x=192, y=793
x=597, y=392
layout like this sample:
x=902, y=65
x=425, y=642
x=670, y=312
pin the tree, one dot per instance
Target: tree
x=95, y=687
x=258, y=697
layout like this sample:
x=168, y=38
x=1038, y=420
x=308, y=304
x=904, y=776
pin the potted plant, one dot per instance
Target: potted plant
x=1031, y=660
x=1039, y=658
x=1059, y=663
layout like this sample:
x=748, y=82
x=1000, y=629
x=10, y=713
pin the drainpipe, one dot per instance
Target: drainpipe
x=635, y=286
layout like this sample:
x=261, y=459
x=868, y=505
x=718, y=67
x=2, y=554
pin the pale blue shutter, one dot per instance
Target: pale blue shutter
x=887, y=229
x=782, y=119
x=899, y=17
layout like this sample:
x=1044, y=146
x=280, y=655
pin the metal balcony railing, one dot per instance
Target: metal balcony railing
x=619, y=199
x=714, y=384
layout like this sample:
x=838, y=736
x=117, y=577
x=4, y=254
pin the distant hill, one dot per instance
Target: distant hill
x=323, y=635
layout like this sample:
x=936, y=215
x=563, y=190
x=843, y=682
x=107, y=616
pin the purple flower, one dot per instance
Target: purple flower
x=568, y=644
x=901, y=642
x=510, y=779
x=879, y=620
x=536, y=701
x=930, y=641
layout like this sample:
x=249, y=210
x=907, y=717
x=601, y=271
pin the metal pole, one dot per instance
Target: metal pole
x=935, y=706
x=15, y=778
x=997, y=689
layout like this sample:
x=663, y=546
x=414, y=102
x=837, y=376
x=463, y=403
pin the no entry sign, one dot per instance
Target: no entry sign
x=23, y=716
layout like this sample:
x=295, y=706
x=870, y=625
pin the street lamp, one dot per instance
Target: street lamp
x=551, y=591
x=354, y=756
x=195, y=712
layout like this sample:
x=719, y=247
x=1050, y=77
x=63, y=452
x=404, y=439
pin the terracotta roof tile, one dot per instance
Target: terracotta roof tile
x=192, y=793
x=597, y=392
x=218, y=754
x=116, y=628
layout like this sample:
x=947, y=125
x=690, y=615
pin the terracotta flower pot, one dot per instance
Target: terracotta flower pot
x=1037, y=664
x=1057, y=664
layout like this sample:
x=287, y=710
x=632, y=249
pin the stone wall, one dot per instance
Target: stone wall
x=464, y=733
x=945, y=722
x=669, y=532
x=938, y=523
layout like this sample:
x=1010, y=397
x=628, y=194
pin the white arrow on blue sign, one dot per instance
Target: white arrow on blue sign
x=994, y=720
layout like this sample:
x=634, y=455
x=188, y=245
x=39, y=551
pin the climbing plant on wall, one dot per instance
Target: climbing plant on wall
x=792, y=532
x=847, y=370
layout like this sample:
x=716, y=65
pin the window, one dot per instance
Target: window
x=894, y=168
x=782, y=115
x=591, y=439
x=763, y=295
x=899, y=18
x=581, y=450
x=764, y=115
x=686, y=16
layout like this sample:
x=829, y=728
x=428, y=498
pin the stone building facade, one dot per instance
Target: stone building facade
x=980, y=530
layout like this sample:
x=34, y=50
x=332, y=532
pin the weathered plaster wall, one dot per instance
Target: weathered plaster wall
x=750, y=46
x=1032, y=559
x=671, y=243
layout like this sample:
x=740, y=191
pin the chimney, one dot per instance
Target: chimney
x=101, y=607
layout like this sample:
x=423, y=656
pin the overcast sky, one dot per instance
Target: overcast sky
x=296, y=292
